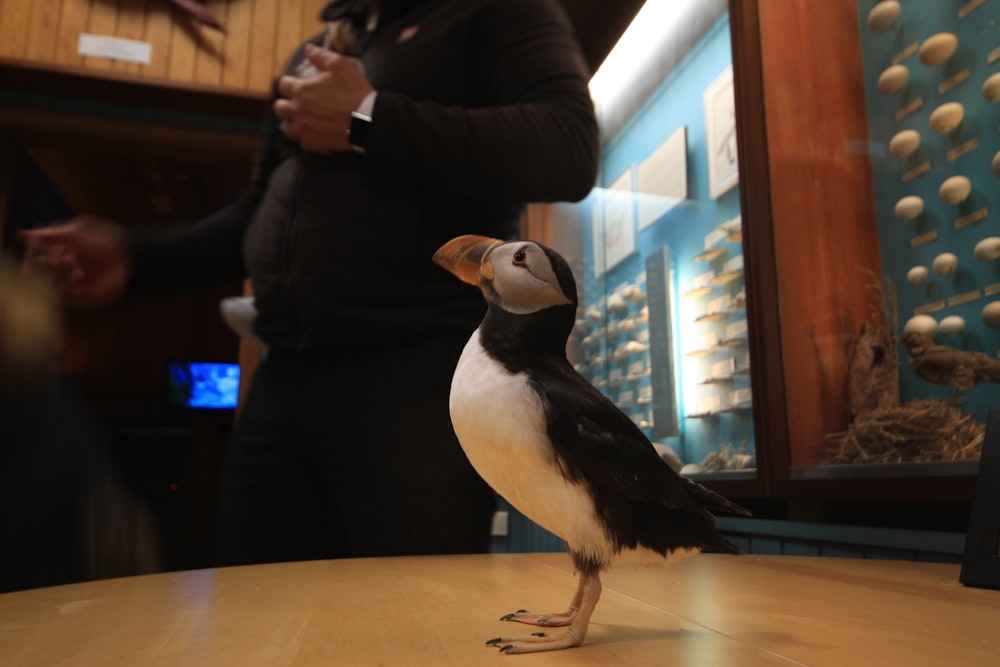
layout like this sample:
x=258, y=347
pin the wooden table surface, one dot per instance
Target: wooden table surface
x=439, y=610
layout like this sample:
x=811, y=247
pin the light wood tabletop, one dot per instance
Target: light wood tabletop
x=439, y=610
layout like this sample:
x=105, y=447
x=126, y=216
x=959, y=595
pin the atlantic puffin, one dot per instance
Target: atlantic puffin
x=551, y=444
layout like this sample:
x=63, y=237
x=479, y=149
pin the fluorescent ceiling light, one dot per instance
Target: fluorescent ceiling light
x=656, y=20
x=659, y=36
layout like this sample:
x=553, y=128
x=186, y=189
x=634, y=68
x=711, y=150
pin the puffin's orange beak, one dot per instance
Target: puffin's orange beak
x=466, y=256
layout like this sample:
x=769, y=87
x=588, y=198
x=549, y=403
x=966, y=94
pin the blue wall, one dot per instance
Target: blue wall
x=976, y=37
x=678, y=101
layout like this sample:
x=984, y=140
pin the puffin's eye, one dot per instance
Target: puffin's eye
x=520, y=256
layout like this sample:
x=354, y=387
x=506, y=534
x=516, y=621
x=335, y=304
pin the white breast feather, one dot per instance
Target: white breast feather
x=500, y=422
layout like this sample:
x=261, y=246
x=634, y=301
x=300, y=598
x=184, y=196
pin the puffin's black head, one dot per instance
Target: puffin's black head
x=519, y=277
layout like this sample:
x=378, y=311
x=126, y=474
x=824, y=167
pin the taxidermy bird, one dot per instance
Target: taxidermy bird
x=945, y=365
x=551, y=444
x=200, y=14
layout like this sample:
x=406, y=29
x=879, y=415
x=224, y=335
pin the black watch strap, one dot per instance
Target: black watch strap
x=357, y=132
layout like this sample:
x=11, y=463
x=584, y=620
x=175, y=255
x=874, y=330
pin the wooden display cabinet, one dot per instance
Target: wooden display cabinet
x=810, y=246
x=811, y=234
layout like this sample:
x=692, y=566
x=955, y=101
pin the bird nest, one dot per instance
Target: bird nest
x=881, y=429
x=920, y=431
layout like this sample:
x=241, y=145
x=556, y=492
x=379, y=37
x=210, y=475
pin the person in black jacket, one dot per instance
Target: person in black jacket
x=406, y=123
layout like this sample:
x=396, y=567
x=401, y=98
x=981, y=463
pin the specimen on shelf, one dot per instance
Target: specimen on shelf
x=881, y=429
x=945, y=365
x=883, y=15
x=921, y=431
x=728, y=458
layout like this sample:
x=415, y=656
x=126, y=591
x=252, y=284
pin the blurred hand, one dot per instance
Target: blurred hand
x=86, y=259
x=30, y=331
x=316, y=111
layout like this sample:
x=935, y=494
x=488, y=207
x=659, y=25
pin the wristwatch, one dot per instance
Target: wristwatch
x=357, y=131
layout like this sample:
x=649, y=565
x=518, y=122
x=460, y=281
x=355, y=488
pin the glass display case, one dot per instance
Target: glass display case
x=663, y=328
x=932, y=84
x=789, y=273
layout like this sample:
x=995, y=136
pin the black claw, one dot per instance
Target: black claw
x=538, y=634
x=504, y=649
x=521, y=611
x=508, y=617
x=495, y=640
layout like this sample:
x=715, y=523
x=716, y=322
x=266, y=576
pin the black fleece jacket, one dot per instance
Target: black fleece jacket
x=482, y=107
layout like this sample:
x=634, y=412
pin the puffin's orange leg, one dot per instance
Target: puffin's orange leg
x=557, y=620
x=577, y=618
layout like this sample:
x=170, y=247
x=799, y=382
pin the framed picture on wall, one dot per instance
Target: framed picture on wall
x=619, y=220
x=720, y=135
x=661, y=179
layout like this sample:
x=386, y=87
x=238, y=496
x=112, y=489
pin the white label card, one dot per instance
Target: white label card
x=116, y=48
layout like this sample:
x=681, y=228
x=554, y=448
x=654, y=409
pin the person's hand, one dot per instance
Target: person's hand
x=316, y=111
x=86, y=259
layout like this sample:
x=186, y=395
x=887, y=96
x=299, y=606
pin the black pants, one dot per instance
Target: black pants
x=351, y=454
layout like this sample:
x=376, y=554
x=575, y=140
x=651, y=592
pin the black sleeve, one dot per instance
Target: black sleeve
x=209, y=251
x=536, y=139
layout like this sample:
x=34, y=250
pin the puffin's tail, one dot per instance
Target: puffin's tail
x=723, y=546
x=712, y=501
x=689, y=526
x=664, y=530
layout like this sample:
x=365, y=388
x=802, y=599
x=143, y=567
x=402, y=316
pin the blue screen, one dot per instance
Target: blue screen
x=203, y=384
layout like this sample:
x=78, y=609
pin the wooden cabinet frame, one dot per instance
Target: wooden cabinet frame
x=809, y=230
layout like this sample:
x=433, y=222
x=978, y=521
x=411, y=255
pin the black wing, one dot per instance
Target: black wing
x=597, y=442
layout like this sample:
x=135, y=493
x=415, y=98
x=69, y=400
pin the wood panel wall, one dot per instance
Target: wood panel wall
x=124, y=353
x=261, y=34
x=822, y=205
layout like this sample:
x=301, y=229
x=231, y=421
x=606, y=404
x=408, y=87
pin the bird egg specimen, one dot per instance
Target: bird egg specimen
x=945, y=263
x=904, y=143
x=991, y=314
x=991, y=88
x=922, y=324
x=947, y=117
x=883, y=15
x=909, y=207
x=616, y=303
x=633, y=293
x=937, y=48
x=951, y=325
x=988, y=249
x=955, y=190
x=894, y=79
x=917, y=275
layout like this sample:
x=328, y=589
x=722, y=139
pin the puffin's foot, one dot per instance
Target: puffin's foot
x=559, y=620
x=538, y=641
x=577, y=618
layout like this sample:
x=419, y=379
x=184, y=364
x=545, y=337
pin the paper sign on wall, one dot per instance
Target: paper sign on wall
x=662, y=178
x=619, y=220
x=116, y=48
